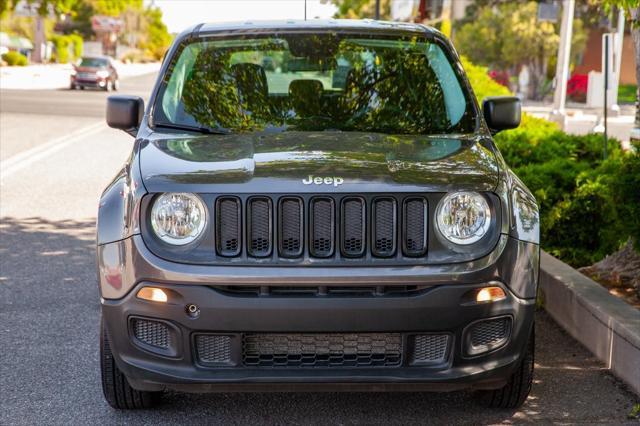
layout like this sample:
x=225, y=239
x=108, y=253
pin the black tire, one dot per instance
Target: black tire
x=516, y=391
x=115, y=386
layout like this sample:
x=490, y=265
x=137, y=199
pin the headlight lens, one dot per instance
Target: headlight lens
x=102, y=73
x=178, y=218
x=463, y=217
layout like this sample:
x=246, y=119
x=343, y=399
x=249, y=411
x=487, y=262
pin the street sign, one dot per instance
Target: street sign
x=548, y=12
x=106, y=24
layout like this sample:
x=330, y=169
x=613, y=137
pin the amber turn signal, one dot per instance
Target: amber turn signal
x=490, y=294
x=153, y=294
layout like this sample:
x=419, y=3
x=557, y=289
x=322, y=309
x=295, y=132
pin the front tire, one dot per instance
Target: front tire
x=517, y=389
x=115, y=386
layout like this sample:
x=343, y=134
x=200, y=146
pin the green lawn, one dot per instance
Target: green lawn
x=627, y=93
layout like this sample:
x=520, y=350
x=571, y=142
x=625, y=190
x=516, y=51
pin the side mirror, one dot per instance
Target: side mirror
x=501, y=112
x=125, y=113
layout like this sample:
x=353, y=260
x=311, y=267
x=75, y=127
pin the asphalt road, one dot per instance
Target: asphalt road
x=56, y=159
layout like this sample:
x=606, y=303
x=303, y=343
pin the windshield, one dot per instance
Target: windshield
x=315, y=82
x=93, y=62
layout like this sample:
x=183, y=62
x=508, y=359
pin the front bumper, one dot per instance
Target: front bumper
x=89, y=81
x=126, y=266
x=437, y=311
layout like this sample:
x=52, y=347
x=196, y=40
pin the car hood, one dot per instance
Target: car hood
x=283, y=162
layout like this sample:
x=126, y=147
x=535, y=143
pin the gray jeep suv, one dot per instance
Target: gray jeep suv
x=315, y=205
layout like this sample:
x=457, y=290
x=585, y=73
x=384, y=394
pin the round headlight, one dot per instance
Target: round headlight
x=463, y=217
x=178, y=218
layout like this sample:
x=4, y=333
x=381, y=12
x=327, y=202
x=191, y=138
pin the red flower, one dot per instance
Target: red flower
x=500, y=77
x=577, y=87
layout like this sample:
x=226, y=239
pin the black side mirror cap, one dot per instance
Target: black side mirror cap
x=502, y=112
x=125, y=113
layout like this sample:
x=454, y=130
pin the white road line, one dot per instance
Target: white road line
x=20, y=161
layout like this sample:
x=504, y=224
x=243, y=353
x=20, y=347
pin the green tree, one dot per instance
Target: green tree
x=361, y=9
x=509, y=35
x=157, y=38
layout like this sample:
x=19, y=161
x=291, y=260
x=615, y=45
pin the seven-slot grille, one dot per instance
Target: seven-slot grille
x=321, y=226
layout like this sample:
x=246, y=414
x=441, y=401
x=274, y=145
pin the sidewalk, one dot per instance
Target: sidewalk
x=581, y=120
x=56, y=76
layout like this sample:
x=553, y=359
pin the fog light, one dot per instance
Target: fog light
x=153, y=294
x=490, y=294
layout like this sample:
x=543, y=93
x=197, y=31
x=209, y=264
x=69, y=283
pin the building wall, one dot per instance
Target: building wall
x=592, y=57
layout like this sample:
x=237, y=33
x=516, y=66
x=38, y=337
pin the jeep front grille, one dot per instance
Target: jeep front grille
x=259, y=224
x=228, y=230
x=321, y=227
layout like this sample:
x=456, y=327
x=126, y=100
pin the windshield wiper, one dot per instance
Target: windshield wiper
x=204, y=130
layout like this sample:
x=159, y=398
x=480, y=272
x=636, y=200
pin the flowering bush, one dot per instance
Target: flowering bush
x=500, y=77
x=577, y=87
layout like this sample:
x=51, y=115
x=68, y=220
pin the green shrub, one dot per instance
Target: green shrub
x=627, y=93
x=581, y=229
x=483, y=85
x=67, y=47
x=15, y=59
x=61, y=44
x=589, y=207
x=78, y=44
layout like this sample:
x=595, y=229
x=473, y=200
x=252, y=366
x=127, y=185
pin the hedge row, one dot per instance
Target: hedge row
x=589, y=206
x=13, y=58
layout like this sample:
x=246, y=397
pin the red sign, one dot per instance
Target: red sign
x=105, y=24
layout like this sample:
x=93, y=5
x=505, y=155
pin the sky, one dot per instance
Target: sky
x=180, y=14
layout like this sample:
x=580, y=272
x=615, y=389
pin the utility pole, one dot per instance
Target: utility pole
x=562, y=69
x=606, y=88
x=38, y=40
x=617, y=59
x=377, y=9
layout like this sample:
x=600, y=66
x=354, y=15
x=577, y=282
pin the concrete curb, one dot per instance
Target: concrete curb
x=606, y=325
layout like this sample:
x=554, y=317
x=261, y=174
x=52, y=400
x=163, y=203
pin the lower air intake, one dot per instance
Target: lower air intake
x=430, y=349
x=213, y=349
x=152, y=333
x=484, y=336
x=322, y=350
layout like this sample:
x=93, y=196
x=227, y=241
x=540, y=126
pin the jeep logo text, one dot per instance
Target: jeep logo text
x=318, y=180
